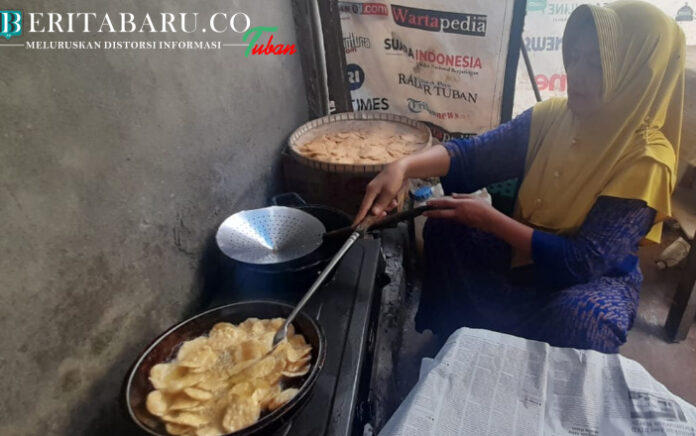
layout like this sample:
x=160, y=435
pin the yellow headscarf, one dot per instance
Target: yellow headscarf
x=628, y=148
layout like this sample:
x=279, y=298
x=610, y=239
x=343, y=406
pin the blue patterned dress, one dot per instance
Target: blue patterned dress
x=581, y=291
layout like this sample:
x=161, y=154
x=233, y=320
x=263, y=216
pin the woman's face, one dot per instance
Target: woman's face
x=584, y=70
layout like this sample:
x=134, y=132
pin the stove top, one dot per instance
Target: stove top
x=347, y=309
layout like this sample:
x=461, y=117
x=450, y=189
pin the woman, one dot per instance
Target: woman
x=597, y=171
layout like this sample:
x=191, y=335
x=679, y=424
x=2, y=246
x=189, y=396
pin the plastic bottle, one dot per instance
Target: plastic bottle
x=675, y=253
x=420, y=196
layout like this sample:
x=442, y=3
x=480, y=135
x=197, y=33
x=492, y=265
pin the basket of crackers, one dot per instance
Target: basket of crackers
x=357, y=142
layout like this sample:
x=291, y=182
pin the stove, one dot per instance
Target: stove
x=347, y=308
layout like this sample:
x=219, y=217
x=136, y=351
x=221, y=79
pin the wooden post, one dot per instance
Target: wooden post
x=683, y=310
x=308, y=38
x=515, y=44
x=335, y=55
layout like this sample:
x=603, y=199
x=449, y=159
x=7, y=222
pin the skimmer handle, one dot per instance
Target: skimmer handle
x=283, y=331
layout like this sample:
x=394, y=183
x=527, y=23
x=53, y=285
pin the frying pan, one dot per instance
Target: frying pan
x=271, y=234
x=165, y=347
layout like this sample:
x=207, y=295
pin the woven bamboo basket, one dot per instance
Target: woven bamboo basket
x=353, y=121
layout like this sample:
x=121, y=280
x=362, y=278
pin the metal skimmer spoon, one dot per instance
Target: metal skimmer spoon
x=359, y=232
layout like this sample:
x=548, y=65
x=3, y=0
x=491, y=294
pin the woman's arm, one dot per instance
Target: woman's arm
x=463, y=165
x=492, y=157
x=433, y=162
x=473, y=211
x=606, y=241
x=381, y=192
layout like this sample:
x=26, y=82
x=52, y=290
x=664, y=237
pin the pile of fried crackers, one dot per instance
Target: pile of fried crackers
x=361, y=147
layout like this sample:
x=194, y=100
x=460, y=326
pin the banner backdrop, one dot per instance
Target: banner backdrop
x=543, y=32
x=441, y=61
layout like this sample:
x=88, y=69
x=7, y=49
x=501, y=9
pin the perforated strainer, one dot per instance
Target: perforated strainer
x=270, y=235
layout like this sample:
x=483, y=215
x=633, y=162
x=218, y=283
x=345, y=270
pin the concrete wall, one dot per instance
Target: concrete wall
x=115, y=169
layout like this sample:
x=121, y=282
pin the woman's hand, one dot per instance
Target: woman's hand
x=467, y=209
x=476, y=212
x=380, y=196
x=381, y=193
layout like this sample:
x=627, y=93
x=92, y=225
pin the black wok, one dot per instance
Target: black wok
x=164, y=348
x=294, y=277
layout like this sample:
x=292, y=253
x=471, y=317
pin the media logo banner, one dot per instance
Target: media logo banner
x=367, y=8
x=352, y=43
x=439, y=21
x=356, y=76
x=444, y=65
